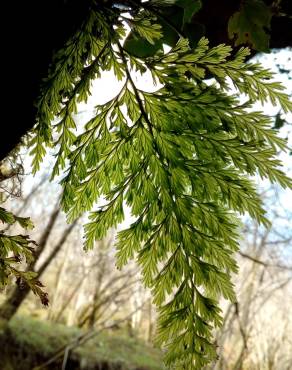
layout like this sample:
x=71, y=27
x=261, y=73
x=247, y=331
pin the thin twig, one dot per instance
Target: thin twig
x=266, y=264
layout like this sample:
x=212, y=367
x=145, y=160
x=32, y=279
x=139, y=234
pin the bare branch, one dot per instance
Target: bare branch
x=266, y=264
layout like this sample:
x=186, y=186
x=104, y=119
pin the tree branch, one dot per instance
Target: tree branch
x=266, y=264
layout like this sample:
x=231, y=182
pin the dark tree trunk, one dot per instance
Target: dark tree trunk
x=13, y=302
x=33, y=31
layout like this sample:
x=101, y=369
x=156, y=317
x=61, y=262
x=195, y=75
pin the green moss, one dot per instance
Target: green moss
x=124, y=350
x=37, y=341
x=40, y=335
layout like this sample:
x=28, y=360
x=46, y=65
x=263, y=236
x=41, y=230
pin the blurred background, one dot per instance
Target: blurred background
x=103, y=318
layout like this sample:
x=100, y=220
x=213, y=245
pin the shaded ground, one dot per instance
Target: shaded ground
x=29, y=342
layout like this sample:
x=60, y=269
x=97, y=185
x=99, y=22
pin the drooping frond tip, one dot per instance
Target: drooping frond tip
x=180, y=158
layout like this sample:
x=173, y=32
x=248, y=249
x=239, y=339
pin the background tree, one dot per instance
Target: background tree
x=83, y=292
